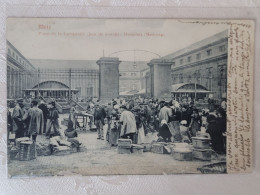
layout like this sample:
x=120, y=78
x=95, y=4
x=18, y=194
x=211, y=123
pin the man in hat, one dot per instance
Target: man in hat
x=10, y=108
x=99, y=116
x=17, y=116
x=45, y=112
x=36, y=122
x=53, y=121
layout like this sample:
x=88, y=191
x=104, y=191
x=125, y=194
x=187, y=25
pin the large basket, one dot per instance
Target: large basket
x=214, y=168
x=27, y=151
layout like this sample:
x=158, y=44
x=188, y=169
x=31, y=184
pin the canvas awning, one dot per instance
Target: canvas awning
x=189, y=88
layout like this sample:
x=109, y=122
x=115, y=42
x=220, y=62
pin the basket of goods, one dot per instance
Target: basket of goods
x=124, y=143
x=219, y=168
x=43, y=149
x=182, y=154
x=137, y=149
x=158, y=147
x=27, y=150
x=21, y=139
x=202, y=154
x=147, y=147
x=13, y=152
x=124, y=146
x=201, y=142
x=61, y=150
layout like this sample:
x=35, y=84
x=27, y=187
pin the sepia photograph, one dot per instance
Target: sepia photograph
x=116, y=96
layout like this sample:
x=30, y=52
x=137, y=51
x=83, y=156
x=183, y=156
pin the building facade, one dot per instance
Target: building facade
x=203, y=63
x=79, y=75
x=83, y=80
x=132, y=75
x=21, y=74
x=83, y=75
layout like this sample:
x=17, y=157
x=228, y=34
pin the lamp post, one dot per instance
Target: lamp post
x=69, y=84
x=221, y=69
x=38, y=83
x=195, y=76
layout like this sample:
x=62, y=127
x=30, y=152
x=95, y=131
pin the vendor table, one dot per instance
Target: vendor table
x=82, y=120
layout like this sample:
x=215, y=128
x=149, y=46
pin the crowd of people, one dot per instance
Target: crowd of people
x=38, y=118
x=134, y=117
x=130, y=117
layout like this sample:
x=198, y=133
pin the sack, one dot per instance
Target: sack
x=71, y=134
x=52, y=131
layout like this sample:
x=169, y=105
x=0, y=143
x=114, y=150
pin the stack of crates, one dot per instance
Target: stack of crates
x=124, y=146
x=202, y=150
x=27, y=151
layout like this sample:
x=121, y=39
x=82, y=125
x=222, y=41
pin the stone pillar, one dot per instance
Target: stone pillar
x=108, y=78
x=160, y=70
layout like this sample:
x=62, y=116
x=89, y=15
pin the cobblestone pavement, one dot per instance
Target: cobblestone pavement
x=101, y=159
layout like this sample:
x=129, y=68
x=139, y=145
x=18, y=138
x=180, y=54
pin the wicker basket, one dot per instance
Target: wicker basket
x=214, y=168
x=13, y=154
x=21, y=139
x=27, y=151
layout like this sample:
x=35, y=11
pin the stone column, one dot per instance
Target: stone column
x=108, y=78
x=160, y=70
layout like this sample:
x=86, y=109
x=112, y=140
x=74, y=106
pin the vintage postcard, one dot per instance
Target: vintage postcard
x=129, y=96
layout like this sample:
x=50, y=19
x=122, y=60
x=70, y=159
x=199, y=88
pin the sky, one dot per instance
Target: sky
x=90, y=39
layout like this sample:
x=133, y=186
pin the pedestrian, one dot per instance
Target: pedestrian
x=45, y=112
x=195, y=123
x=165, y=113
x=140, y=120
x=18, y=126
x=184, y=132
x=52, y=121
x=164, y=132
x=35, y=116
x=215, y=133
x=114, y=128
x=174, y=123
x=99, y=116
x=127, y=120
x=10, y=121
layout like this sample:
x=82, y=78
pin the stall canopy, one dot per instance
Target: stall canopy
x=189, y=88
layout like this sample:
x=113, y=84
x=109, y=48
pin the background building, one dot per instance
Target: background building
x=203, y=63
x=84, y=75
x=132, y=76
x=21, y=74
x=81, y=75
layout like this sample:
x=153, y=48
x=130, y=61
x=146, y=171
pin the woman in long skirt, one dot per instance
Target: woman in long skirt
x=195, y=123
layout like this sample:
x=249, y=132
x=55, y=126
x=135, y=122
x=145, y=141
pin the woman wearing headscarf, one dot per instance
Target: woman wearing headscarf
x=164, y=132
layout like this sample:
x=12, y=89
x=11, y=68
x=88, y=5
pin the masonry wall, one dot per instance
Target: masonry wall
x=109, y=81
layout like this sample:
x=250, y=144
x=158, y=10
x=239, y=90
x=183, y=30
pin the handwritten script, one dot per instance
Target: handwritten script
x=239, y=93
x=240, y=97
